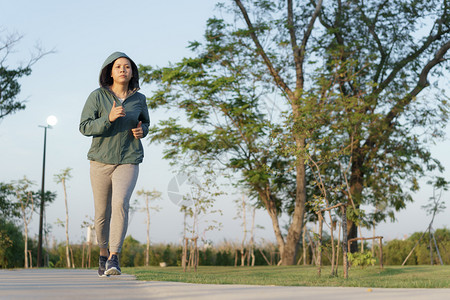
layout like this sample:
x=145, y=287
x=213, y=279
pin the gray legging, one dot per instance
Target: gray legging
x=112, y=186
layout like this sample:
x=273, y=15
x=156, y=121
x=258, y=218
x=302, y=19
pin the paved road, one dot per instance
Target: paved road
x=84, y=284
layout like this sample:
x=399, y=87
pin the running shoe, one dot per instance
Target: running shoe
x=102, y=266
x=112, y=266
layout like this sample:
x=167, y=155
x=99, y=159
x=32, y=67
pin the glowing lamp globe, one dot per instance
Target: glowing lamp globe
x=52, y=120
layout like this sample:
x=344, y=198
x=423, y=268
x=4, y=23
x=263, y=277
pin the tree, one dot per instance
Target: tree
x=347, y=94
x=391, y=126
x=149, y=196
x=198, y=204
x=48, y=197
x=8, y=208
x=9, y=85
x=242, y=214
x=232, y=122
x=434, y=207
x=17, y=204
x=61, y=178
x=11, y=244
x=25, y=198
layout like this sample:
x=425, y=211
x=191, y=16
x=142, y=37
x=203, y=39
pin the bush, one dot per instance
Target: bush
x=361, y=259
x=11, y=245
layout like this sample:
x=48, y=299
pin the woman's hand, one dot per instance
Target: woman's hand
x=116, y=112
x=138, y=133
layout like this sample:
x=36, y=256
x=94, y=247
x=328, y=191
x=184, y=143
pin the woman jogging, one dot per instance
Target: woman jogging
x=116, y=116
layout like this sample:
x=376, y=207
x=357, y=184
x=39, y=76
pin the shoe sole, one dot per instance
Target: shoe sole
x=112, y=271
x=102, y=276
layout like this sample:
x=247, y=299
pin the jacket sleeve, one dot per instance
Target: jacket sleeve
x=92, y=122
x=144, y=117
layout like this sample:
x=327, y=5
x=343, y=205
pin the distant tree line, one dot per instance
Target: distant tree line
x=223, y=254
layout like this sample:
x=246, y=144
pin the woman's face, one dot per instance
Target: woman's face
x=121, y=71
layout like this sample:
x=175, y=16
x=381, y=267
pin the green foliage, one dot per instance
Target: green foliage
x=224, y=258
x=9, y=77
x=11, y=245
x=396, y=251
x=8, y=207
x=10, y=88
x=376, y=113
x=347, y=97
x=200, y=205
x=132, y=250
x=361, y=259
x=63, y=176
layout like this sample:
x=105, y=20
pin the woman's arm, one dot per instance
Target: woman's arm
x=93, y=122
x=144, y=117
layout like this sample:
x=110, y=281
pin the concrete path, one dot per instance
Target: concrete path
x=84, y=284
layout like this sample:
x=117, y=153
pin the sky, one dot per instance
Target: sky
x=82, y=34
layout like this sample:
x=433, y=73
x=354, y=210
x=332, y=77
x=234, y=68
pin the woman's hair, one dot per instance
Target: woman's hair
x=106, y=79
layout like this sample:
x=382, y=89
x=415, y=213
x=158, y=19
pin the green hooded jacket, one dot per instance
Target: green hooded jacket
x=114, y=143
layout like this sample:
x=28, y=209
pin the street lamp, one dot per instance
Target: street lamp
x=51, y=121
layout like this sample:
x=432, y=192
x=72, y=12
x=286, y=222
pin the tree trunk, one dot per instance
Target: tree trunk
x=430, y=246
x=67, y=224
x=319, y=246
x=338, y=247
x=244, y=225
x=333, y=252
x=272, y=210
x=147, y=253
x=373, y=241
x=313, y=250
x=344, y=242
x=26, y=245
x=304, y=244
x=295, y=229
x=356, y=189
x=362, y=241
x=252, y=238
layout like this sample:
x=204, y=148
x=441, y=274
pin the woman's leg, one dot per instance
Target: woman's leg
x=124, y=180
x=102, y=191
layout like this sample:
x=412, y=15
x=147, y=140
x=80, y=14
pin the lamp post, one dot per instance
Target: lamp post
x=51, y=121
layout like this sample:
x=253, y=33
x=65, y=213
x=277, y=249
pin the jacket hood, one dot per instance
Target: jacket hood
x=105, y=79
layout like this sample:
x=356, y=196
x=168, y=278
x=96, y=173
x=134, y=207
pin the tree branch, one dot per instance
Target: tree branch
x=371, y=27
x=299, y=52
x=400, y=105
x=259, y=49
x=399, y=66
x=421, y=84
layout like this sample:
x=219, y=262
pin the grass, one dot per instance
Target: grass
x=371, y=277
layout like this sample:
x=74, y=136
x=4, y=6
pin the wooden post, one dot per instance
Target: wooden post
x=31, y=259
x=71, y=255
x=335, y=256
x=313, y=250
x=344, y=241
x=430, y=246
x=82, y=255
x=381, y=251
x=337, y=251
x=196, y=258
x=437, y=250
x=304, y=244
x=319, y=245
x=184, y=258
x=89, y=254
x=265, y=258
x=191, y=260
